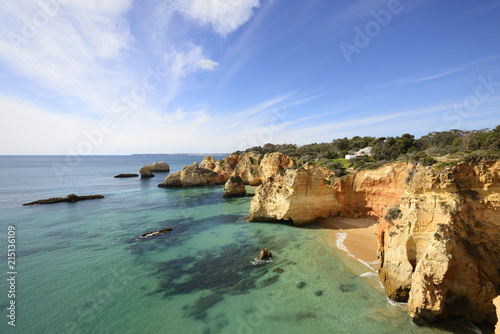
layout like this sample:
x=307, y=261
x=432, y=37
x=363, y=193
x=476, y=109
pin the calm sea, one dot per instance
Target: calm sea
x=81, y=268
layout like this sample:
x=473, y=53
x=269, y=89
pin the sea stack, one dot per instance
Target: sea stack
x=145, y=172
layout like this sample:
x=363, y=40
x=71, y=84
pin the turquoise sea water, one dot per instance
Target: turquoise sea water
x=81, y=267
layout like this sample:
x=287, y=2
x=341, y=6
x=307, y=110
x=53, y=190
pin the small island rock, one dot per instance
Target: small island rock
x=155, y=233
x=160, y=166
x=265, y=254
x=126, y=175
x=70, y=198
x=146, y=172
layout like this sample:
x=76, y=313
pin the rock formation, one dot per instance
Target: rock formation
x=146, y=172
x=155, y=233
x=438, y=230
x=234, y=187
x=69, y=198
x=496, y=302
x=160, y=166
x=253, y=168
x=192, y=176
x=265, y=254
x=299, y=196
x=126, y=175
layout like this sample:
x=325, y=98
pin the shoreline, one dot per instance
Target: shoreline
x=355, y=236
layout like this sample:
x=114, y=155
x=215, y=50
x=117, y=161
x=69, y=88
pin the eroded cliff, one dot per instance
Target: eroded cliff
x=438, y=231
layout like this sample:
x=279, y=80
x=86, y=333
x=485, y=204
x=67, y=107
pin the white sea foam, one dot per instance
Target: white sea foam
x=369, y=274
x=258, y=261
x=398, y=304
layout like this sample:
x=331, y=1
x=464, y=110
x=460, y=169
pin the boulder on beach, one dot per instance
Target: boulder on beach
x=145, y=172
x=69, y=198
x=234, y=187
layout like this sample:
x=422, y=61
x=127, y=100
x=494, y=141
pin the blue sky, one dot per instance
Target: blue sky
x=122, y=77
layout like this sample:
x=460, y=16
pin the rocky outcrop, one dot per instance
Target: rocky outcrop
x=496, y=302
x=299, y=196
x=251, y=167
x=126, y=175
x=438, y=230
x=224, y=167
x=155, y=233
x=234, y=187
x=192, y=176
x=69, y=198
x=248, y=168
x=160, y=166
x=265, y=254
x=145, y=172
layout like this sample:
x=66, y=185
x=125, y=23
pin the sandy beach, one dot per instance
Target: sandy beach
x=355, y=236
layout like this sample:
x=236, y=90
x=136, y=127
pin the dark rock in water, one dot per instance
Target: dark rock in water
x=270, y=280
x=155, y=233
x=69, y=198
x=278, y=270
x=250, y=195
x=301, y=285
x=145, y=172
x=346, y=287
x=126, y=175
x=203, y=304
x=319, y=293
x=265, y=254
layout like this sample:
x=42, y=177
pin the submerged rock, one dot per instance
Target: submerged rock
x=69, y=198
x=234, y=187
x=301, y=285
x=145, y=172
x=155, y=233
x=319, y=293
x=126, y=175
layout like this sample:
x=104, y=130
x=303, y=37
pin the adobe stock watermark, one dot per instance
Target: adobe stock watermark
x=266, y=134
x=364, y=36
x=460, y=111
x=47, y=10
x=121, y=109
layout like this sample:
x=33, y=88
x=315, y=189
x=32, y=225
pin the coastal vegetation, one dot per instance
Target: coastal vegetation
x=439, y=148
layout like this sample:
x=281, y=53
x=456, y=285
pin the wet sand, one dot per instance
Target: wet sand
x=355, y=236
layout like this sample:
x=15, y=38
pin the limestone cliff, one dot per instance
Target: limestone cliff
x=299, y=196
x=496, y=301
x=251, y=167
x=438, y=231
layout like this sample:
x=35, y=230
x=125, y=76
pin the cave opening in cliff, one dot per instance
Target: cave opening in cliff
x=411, y=253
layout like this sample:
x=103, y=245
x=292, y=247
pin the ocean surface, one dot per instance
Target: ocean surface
x=81, y=268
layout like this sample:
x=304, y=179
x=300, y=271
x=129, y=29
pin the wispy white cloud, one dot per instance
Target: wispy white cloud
x=224, y=16
x=444, y=73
